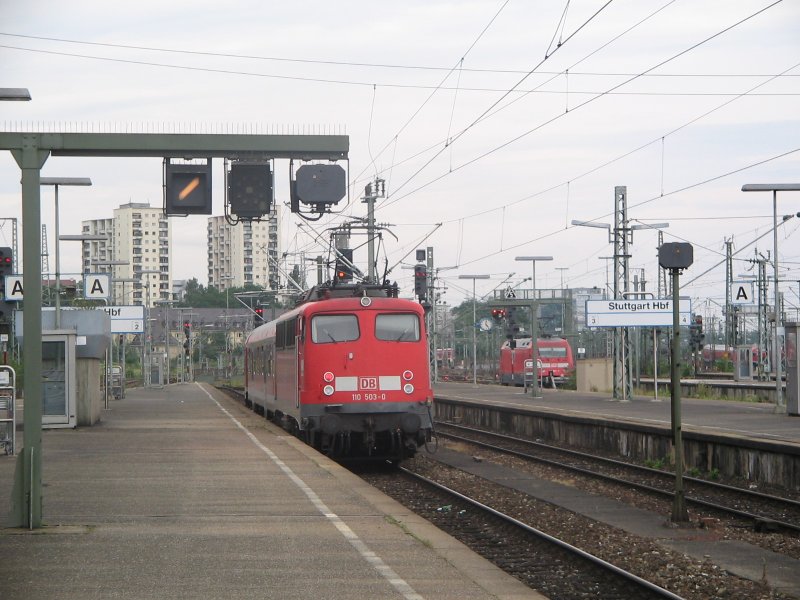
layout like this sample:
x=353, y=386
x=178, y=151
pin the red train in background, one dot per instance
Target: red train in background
x=347, y=371
x=555, y=357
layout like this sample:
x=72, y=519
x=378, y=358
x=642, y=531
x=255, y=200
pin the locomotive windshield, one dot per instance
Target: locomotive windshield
x=331, y=329
x=397, y=327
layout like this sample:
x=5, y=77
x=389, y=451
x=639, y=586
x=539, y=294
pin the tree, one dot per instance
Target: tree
x=199, y=296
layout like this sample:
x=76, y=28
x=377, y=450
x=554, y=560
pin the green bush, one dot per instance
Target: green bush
x=571, y=383
x=655, y=464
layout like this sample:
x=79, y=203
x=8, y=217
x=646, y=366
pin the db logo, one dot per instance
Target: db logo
x=368, y=383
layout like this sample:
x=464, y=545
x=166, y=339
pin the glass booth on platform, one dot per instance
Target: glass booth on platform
x=72, y=369
x=743, y=363
x=58, y=379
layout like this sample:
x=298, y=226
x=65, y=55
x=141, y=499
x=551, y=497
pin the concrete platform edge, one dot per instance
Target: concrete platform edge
x=472, y=566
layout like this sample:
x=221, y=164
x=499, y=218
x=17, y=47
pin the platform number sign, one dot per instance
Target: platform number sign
x=742, y=292
x=97, y=286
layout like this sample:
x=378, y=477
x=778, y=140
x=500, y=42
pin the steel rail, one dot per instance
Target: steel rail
x=594, y=560
x=665, y=493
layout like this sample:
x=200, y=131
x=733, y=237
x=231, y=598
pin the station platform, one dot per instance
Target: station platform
x=181, y=492
x=743, y=420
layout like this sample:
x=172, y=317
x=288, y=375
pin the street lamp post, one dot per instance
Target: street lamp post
x=56, y=182
x=167, y=334
x=227, y=279
x=146, y=354
x=534, y=324
x=123, y=281
x=563, y=301
x=474, y=327
x=15, y=94
x=780, y=405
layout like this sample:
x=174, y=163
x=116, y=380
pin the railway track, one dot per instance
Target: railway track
x=763, y=511
x=545, y=563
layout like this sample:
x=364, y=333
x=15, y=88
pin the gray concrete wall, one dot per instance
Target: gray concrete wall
x=89, y=400
x=758, y=461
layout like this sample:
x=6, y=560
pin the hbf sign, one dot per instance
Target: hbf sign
x=636, y=313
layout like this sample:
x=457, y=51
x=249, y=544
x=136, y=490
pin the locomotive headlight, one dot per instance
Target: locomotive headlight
x=328, y=390
x=328, y=377
x=408, y=388
x=408, y=375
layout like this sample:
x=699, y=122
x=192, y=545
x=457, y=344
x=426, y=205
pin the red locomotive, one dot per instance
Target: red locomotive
x=346, y=370
x=555, y=357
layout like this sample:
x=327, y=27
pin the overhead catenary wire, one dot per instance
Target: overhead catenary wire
x=480, y=117
x=358, y=64
x=562, y=115
x=493, y=111
x=620, y=157
x=643, y=202
x=389, y=84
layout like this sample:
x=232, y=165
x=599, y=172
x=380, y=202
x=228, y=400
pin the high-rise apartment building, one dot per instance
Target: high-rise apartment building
x=243, y=254
x=97, y=254
x=137, y=253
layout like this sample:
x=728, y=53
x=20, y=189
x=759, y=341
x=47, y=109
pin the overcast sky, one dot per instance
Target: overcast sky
x=495, y=124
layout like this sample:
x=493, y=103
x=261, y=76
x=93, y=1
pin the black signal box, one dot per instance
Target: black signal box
x=320, y=185
x=250, y=190
x=187, y=189
x=676, y=255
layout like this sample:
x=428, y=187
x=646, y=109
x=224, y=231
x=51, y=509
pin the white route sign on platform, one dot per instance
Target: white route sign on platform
x=124, y=319
x=636, y=313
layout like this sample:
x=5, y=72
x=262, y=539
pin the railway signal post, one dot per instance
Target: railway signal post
x=676, y=257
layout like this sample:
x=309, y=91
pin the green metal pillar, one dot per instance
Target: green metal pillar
x=679, y=513
x=26, y=500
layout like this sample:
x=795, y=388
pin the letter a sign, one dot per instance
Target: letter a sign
x=742, y=292
x=97, y=286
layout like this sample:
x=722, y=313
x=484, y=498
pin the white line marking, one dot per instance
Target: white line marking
x=368, y=555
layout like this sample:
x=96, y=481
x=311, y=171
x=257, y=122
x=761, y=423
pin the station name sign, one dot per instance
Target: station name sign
x=639, y=305
x=636, y=313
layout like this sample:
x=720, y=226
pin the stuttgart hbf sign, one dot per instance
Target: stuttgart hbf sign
x=636, y=313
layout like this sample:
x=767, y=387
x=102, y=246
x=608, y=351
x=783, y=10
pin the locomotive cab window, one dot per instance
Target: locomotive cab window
x=397, y=327
x=553, y=352
x=332, y=329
